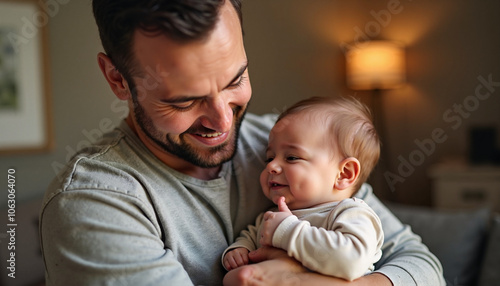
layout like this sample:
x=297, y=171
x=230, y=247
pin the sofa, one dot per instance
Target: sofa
x=466, y=242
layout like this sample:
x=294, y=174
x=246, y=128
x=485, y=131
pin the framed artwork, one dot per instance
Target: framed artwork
x=25, y=115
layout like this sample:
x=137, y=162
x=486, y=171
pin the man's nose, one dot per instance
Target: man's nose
x=219, y=115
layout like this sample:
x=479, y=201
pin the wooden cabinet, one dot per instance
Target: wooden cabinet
x=465, y=187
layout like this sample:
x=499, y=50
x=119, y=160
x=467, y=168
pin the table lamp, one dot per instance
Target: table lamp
x=376, y=66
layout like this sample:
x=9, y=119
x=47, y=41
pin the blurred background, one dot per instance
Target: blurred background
x=449, y=101
x=296, y=50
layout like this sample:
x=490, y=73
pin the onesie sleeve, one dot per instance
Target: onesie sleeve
x=347, y=248
x=248, y=238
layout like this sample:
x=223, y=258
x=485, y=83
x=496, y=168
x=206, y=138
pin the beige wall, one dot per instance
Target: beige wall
x=81, y=100
x=294, y=52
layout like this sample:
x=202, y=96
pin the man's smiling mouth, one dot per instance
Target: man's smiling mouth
x=216, y=134
x=211, y=139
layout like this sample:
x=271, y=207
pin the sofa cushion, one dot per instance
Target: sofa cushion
x=455, y=237
x=490, y=272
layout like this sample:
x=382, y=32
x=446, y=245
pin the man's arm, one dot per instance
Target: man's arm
x=405, y=259
x=91, y=237
x=276, y=268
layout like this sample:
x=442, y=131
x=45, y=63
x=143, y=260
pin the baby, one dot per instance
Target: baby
x=320, y=152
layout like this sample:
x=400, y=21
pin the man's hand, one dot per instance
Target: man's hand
x=272, y=220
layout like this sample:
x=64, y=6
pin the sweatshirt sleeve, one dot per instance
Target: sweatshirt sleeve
x=91, y=238
x=347, y=248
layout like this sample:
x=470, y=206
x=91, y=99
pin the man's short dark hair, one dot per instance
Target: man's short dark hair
x=180, y=20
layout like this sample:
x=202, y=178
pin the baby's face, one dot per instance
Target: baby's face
x=300, y=163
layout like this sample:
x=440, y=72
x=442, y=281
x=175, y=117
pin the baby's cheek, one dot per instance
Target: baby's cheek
x=301, y=191
x=263, y=183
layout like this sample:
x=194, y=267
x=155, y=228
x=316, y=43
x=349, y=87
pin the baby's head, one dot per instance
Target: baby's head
x=320, y=150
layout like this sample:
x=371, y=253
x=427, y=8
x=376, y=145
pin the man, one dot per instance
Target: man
x=158, y=200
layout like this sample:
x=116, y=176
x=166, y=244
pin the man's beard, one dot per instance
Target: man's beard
x=209, y=157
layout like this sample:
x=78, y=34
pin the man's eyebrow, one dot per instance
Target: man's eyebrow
x=243, y=68
x=186, y=98
x=180, y=99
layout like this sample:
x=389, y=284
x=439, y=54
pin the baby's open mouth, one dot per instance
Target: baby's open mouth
x=275, y=185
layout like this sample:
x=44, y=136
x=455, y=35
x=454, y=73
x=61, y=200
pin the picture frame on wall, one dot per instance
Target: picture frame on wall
x=25, y=115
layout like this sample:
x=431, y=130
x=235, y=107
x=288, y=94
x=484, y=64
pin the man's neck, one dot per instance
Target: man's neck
x=172, y=161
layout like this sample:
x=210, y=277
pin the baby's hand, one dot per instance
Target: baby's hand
x=236, y=258
x=272, y=220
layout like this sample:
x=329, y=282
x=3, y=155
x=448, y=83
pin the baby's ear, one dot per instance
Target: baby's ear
x=349, y=173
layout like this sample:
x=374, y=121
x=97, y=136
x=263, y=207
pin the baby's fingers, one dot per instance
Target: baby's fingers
x=269, y=215
x=282, y=206
x=235, y=259
x=230, y=263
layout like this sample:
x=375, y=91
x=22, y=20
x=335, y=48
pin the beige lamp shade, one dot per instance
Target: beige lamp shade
x=375, y=65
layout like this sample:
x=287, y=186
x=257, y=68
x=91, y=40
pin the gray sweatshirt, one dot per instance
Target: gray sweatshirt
x=119, y=216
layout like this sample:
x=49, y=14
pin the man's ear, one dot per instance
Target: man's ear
x=114, y=78
x=349, y=173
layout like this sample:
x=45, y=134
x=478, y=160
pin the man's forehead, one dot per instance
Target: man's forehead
x=188, y=69
x=225, y=41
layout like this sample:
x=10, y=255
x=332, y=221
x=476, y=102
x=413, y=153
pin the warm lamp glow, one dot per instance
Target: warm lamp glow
x=375, y=65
